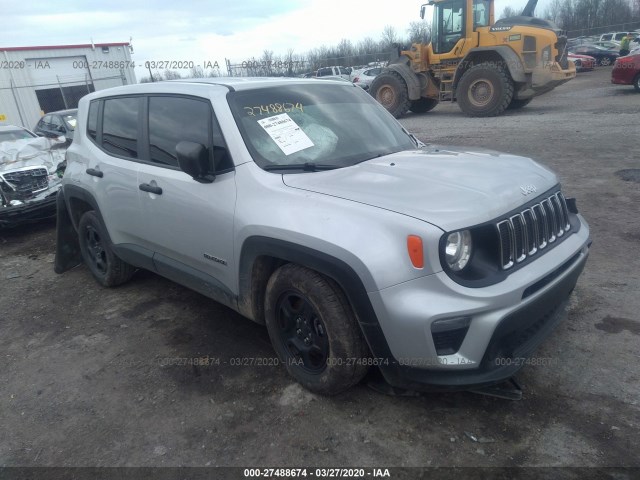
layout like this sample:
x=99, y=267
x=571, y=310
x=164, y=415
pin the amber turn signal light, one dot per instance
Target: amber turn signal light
x=416, y=253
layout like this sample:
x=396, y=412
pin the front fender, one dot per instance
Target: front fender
x=412, y=80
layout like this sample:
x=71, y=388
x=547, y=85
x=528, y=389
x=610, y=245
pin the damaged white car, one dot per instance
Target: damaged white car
x=31, y=169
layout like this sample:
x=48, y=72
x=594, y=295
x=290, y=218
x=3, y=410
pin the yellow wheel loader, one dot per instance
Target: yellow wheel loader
x=484, y=66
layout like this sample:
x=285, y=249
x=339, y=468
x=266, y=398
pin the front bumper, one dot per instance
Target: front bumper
x=621, y=77
x=544, y=79
x=508, y=321
x=30, y=212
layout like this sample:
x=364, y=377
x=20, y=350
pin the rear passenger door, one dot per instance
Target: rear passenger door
x=189, y=224
x=111, y=165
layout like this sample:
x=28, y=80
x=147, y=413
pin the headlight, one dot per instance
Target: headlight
x=458, y=250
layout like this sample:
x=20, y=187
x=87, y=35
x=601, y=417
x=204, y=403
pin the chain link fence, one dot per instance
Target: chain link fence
x=597, y=31
x=300, y=66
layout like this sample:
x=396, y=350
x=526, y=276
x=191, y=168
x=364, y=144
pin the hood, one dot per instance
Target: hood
x=32, y=152
x=449, y=187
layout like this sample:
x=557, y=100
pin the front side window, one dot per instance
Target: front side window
x=173, y=120
x=120, y=126
x=448, y=25
x=313, y=125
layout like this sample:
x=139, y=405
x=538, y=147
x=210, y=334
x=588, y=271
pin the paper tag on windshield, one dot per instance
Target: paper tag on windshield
x=286, y=133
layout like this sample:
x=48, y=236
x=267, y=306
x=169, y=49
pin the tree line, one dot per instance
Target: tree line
x=344, y=53
x=575, y=16
x=583, y=17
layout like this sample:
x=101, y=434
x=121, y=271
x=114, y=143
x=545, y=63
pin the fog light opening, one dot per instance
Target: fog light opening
x=449, y=333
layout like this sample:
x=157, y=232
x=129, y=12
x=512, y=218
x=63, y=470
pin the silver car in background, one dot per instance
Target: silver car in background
x=364, y=77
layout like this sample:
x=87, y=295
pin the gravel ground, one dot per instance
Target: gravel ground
x=84, y=379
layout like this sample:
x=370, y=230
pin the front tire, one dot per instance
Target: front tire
x=96, y=252
x=314, y=331
x=423, y=105
x=485, y=90
x=636, y=83
x=390, y=90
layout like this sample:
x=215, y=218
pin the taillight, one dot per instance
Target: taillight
x=356, y=80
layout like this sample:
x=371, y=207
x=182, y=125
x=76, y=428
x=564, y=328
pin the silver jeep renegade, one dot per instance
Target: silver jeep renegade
x=357, y=247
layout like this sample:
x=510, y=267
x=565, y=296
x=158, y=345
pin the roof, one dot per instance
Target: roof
x=247, y=83
x=70, y=111
x=56, y=47
x=206, y=84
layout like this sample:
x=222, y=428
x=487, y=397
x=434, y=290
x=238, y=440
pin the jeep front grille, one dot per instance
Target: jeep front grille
x=26, y=182
x=533, y=229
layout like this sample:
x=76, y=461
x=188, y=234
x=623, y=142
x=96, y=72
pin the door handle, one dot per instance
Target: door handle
x=145, y=187
x=95, y=173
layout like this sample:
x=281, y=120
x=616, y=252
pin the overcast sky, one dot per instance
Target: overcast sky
x=206, y=31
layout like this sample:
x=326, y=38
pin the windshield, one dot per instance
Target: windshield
x=70, y=121
x=13, y=135
x=328, y=125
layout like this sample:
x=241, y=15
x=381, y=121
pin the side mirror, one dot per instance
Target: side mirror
x=193, y=160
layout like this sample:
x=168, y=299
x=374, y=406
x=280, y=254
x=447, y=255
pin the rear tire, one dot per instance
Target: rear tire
x=515, y=103
x=605, y=61
x=390, y=90
x=636, y=83
x=314, y=331
x=423, y=105
x=485, y=90
x=106, y=267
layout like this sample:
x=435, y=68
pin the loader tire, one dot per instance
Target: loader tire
x=485, y=90
x=423, y=105
x=390, y=90
x=515, y=103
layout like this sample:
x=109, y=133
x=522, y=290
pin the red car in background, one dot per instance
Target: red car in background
x=626, y=71
x=582, y=62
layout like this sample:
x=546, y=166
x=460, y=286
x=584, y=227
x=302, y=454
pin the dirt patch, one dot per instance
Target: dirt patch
x=629, y=174
x=151, y=374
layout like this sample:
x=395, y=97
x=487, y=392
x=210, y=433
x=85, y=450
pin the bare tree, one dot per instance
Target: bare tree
x=389, y=37
x=267, y=62
x=196, y=72
x=419, y=32
x=171, y=74
x=508, y=12
x=553, y=10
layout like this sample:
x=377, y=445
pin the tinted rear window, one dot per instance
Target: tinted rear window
x=120, y=126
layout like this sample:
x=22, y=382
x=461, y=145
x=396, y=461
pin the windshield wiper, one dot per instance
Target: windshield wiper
x=305, y=167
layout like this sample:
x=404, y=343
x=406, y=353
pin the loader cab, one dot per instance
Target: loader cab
x=455, y=23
